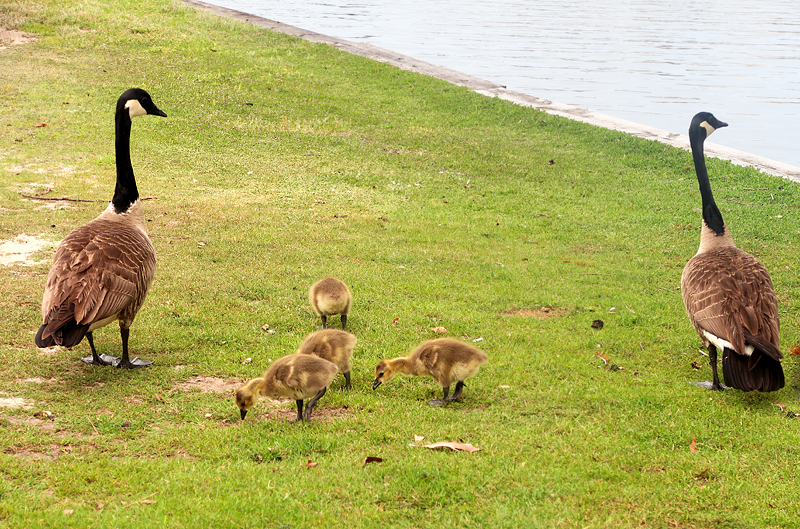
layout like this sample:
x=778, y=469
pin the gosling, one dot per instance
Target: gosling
x=329, y=297
x=295, y=376
x=447, y=360
x=332, y=345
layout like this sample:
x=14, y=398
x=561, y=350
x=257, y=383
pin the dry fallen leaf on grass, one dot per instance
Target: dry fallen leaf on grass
x=795, y=351
x=419, y=438
x=310, y=464
x=395, y=321
x=372, y=459
x=466, y=447
x=439, y=330
x=693, y=446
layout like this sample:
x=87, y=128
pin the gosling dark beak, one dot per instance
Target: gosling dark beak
x=376, y=384
x=243, y=412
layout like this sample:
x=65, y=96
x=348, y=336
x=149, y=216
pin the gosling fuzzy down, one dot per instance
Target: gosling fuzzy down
x=102, y=270
x=329, y=297
x=295, y=376
x=447, y=360
x=332, y=345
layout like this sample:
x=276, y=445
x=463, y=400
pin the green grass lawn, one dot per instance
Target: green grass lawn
x=282, y=162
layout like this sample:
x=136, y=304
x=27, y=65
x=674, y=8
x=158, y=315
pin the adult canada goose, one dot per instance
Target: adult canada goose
x=334, y=346
x=296, y=376
x=445, y=359
x=330, y=296
x=102, y=270
x=728, y=293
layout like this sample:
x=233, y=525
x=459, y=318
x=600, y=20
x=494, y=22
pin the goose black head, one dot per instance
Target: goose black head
x=138, y=103
x=705, y=123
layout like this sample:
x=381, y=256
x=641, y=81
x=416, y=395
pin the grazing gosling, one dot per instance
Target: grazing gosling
x=447, y=360
x=295, y=376
x=332, y=345
x=329, y=297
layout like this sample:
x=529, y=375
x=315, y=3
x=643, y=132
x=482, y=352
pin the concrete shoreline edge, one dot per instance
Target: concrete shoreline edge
x=491, y=89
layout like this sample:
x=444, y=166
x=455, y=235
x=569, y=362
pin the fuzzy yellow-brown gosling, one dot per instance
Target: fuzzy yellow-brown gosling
x=294, y=376
x=329, y=297
x=728, y=293
x=103, y=270
x=445, y=359
x=334, y=346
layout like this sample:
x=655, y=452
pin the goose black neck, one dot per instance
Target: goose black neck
x=711, y=214
x=125, y=192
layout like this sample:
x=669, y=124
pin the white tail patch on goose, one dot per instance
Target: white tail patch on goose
x=721, y=344
x=136, y=109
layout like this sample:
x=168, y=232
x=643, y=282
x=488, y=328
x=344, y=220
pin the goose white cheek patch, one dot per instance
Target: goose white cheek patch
x=135, y=108
x=708, y=127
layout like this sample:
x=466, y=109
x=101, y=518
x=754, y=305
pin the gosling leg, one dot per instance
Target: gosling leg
x=344, y=321
x=347, y=381
x=299, y=411
x=95, y=359
x=443, y=400
x=311, y=403
x=457, y=393
x=324, y=322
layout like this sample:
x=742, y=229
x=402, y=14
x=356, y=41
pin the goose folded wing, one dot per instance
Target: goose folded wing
x=99, y=280
x=713, y=303
x=737, y=305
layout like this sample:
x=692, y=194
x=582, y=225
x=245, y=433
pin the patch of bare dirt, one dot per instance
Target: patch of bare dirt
x=15, y=402
x=33, y=421
x=52, y=452
x=13, y=37
x=49, y=351
x=277, y=411
x=36, y=380
x=211, y=384
x=541, y=313
x=18, y=251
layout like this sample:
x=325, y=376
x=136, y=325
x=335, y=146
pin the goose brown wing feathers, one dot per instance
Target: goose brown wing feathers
x=728, y=293
x=101, y=269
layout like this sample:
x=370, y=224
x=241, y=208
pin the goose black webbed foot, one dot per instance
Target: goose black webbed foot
x=132, y=364
x=711, y=386
x=100, y=360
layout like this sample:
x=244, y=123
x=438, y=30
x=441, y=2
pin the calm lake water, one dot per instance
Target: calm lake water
x=654, y=62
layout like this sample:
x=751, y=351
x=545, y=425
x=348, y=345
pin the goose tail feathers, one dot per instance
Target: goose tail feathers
x=758, y=372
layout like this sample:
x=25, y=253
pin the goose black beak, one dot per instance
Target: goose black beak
x=376, y=384
x=158, y=112
x=243, y=412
